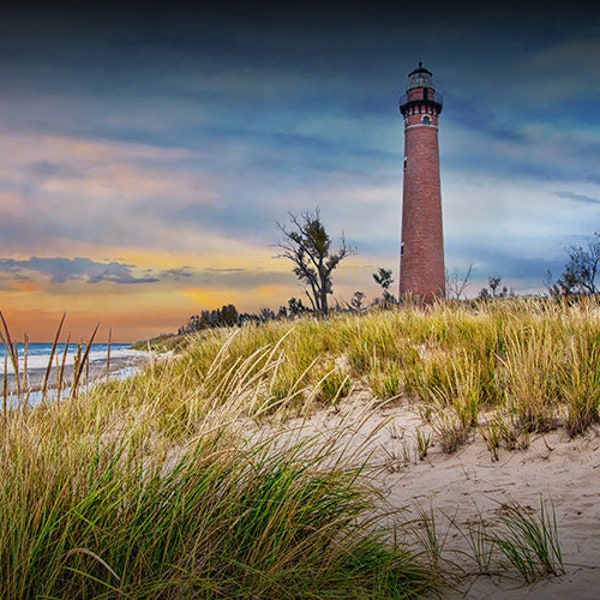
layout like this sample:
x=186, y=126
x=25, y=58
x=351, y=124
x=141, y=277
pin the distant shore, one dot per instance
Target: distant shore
x=123, y=363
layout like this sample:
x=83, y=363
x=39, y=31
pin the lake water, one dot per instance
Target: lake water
x=38, y=354
x=124, y=362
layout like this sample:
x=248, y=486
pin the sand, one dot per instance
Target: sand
x=468, y=486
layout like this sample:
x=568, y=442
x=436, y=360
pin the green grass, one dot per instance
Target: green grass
x=533, y=361
x=155, y=487
x=151, y=488
x=135, y=517
x=528, y=542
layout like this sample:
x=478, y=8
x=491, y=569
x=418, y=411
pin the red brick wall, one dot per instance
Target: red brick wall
x=422, y=254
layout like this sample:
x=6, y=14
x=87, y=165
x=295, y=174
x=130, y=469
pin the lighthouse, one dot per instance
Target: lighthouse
x=422, y=273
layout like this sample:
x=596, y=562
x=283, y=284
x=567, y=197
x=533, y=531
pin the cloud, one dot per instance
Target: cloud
x=545, y=151
x=471, y=114
x=176, y=273
x=61, y=270
x=240, y=279
x=60, y=190
x=578, y=197
x=223, y=271
x=565, y=69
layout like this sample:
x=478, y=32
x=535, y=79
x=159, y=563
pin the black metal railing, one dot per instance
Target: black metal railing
x=435, y=98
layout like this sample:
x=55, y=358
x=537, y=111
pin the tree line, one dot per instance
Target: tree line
x=228, y=316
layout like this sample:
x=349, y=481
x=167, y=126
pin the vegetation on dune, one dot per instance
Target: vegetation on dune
x=86, y=517
x=505, y=368
x=150, y=488
x=154, y=487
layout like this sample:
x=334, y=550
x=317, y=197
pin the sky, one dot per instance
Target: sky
x=147, y=152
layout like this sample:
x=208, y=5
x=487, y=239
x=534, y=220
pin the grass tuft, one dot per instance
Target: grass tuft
x=529, y=543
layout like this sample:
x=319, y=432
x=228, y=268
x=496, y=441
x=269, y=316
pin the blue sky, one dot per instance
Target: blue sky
x=147, y=152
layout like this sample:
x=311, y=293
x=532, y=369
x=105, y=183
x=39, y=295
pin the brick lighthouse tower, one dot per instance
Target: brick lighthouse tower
x=422, y=272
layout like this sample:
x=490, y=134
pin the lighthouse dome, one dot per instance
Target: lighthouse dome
x=420, y=77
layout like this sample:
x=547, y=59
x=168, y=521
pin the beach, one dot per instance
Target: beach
x=365, y=409
x=123, y=362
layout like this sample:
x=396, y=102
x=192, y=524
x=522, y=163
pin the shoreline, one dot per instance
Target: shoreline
x=122, y=364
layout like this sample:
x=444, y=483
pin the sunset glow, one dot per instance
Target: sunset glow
x=147, y=157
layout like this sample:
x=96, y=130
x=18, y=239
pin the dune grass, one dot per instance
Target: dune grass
x=212, y=526
x=524, y=365
x=151, y=488
x=156, y=487
x=528, y=542
x=93, y=507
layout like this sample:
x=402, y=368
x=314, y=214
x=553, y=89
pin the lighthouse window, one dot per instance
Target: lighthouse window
x=426, y=120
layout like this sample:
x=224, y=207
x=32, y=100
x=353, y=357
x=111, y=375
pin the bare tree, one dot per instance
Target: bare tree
x=458, y=282
x=308, y=245
x=580, y=272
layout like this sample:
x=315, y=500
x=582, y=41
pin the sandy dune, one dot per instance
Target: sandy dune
x=467, y=486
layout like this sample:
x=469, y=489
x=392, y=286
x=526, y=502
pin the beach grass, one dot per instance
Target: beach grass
x=131, y=490
x=529, y=363
x=176, y=482
x=528, y=542
x=89, y=517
